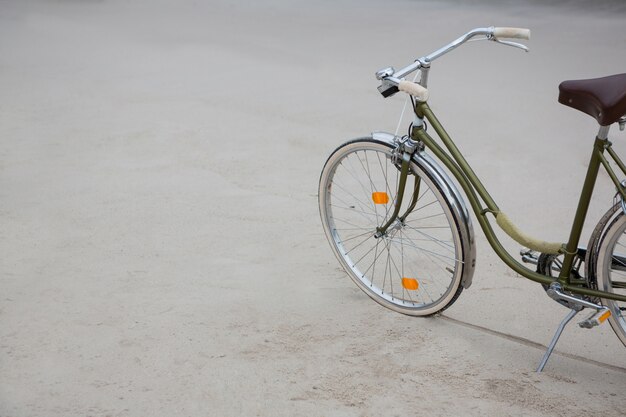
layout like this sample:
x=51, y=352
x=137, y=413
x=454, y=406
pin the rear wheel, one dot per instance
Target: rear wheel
x=417, y=266
x=609, y=262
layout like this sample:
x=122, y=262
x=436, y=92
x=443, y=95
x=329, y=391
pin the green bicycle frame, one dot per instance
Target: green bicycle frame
x=477, y=195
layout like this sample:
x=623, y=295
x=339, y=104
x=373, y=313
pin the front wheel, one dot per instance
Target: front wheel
x=417, y=266
x=609, y=267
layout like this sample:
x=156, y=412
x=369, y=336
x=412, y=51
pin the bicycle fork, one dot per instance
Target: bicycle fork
x=405, y=151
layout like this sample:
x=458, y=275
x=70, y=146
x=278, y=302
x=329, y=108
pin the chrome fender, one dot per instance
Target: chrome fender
x=457, y=203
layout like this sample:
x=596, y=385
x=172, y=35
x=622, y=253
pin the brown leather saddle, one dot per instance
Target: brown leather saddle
x=602, y=98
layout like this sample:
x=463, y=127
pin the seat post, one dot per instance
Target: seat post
x=603, y=133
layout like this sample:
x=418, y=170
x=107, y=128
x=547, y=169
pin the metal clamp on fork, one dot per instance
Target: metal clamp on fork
x=576, y=305
x=402, y=155
x=406, y=145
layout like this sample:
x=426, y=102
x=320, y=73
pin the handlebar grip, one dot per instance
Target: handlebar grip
x=511, y=33
x=420, y=93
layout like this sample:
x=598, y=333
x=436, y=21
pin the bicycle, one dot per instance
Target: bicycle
x=402, y=231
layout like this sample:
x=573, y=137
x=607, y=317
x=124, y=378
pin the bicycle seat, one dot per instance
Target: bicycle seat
x=602, y=98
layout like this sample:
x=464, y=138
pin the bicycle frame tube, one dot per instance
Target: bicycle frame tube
x=477, y=194
x=581, y=211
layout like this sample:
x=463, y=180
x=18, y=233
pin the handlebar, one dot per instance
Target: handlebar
x=391, y=78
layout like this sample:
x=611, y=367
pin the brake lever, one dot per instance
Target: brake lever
x=509, y=43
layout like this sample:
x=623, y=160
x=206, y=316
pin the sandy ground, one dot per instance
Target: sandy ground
x=161, y=250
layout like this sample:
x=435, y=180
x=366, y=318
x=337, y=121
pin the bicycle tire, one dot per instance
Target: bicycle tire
x=436, y=254
x=594, y=241
x=608, y=265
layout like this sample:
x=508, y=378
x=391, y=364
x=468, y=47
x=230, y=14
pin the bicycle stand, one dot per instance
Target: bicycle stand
x=575, y=305
x=555, y=339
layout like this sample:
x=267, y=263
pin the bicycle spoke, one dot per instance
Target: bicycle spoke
x=440, y=243
x=361, y=258
x=354, y=210
x=429, y=217
x=372, y=190
x=356, y=236
x=435, y=253
x=350, y=224
x=351, y=195
x=362, y=242
x=363, y=187
x=439, y=267
x=424, y=288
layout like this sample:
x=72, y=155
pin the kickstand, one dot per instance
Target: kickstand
x=555, y=339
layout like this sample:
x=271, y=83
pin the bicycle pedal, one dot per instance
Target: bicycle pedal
x=529, y=256
x=596, y=319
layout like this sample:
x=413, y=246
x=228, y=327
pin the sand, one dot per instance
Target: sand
x=162, y=252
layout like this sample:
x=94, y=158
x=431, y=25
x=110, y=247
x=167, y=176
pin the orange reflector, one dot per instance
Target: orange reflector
x=410, y=284
x=604, y=316
x=380, y=197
